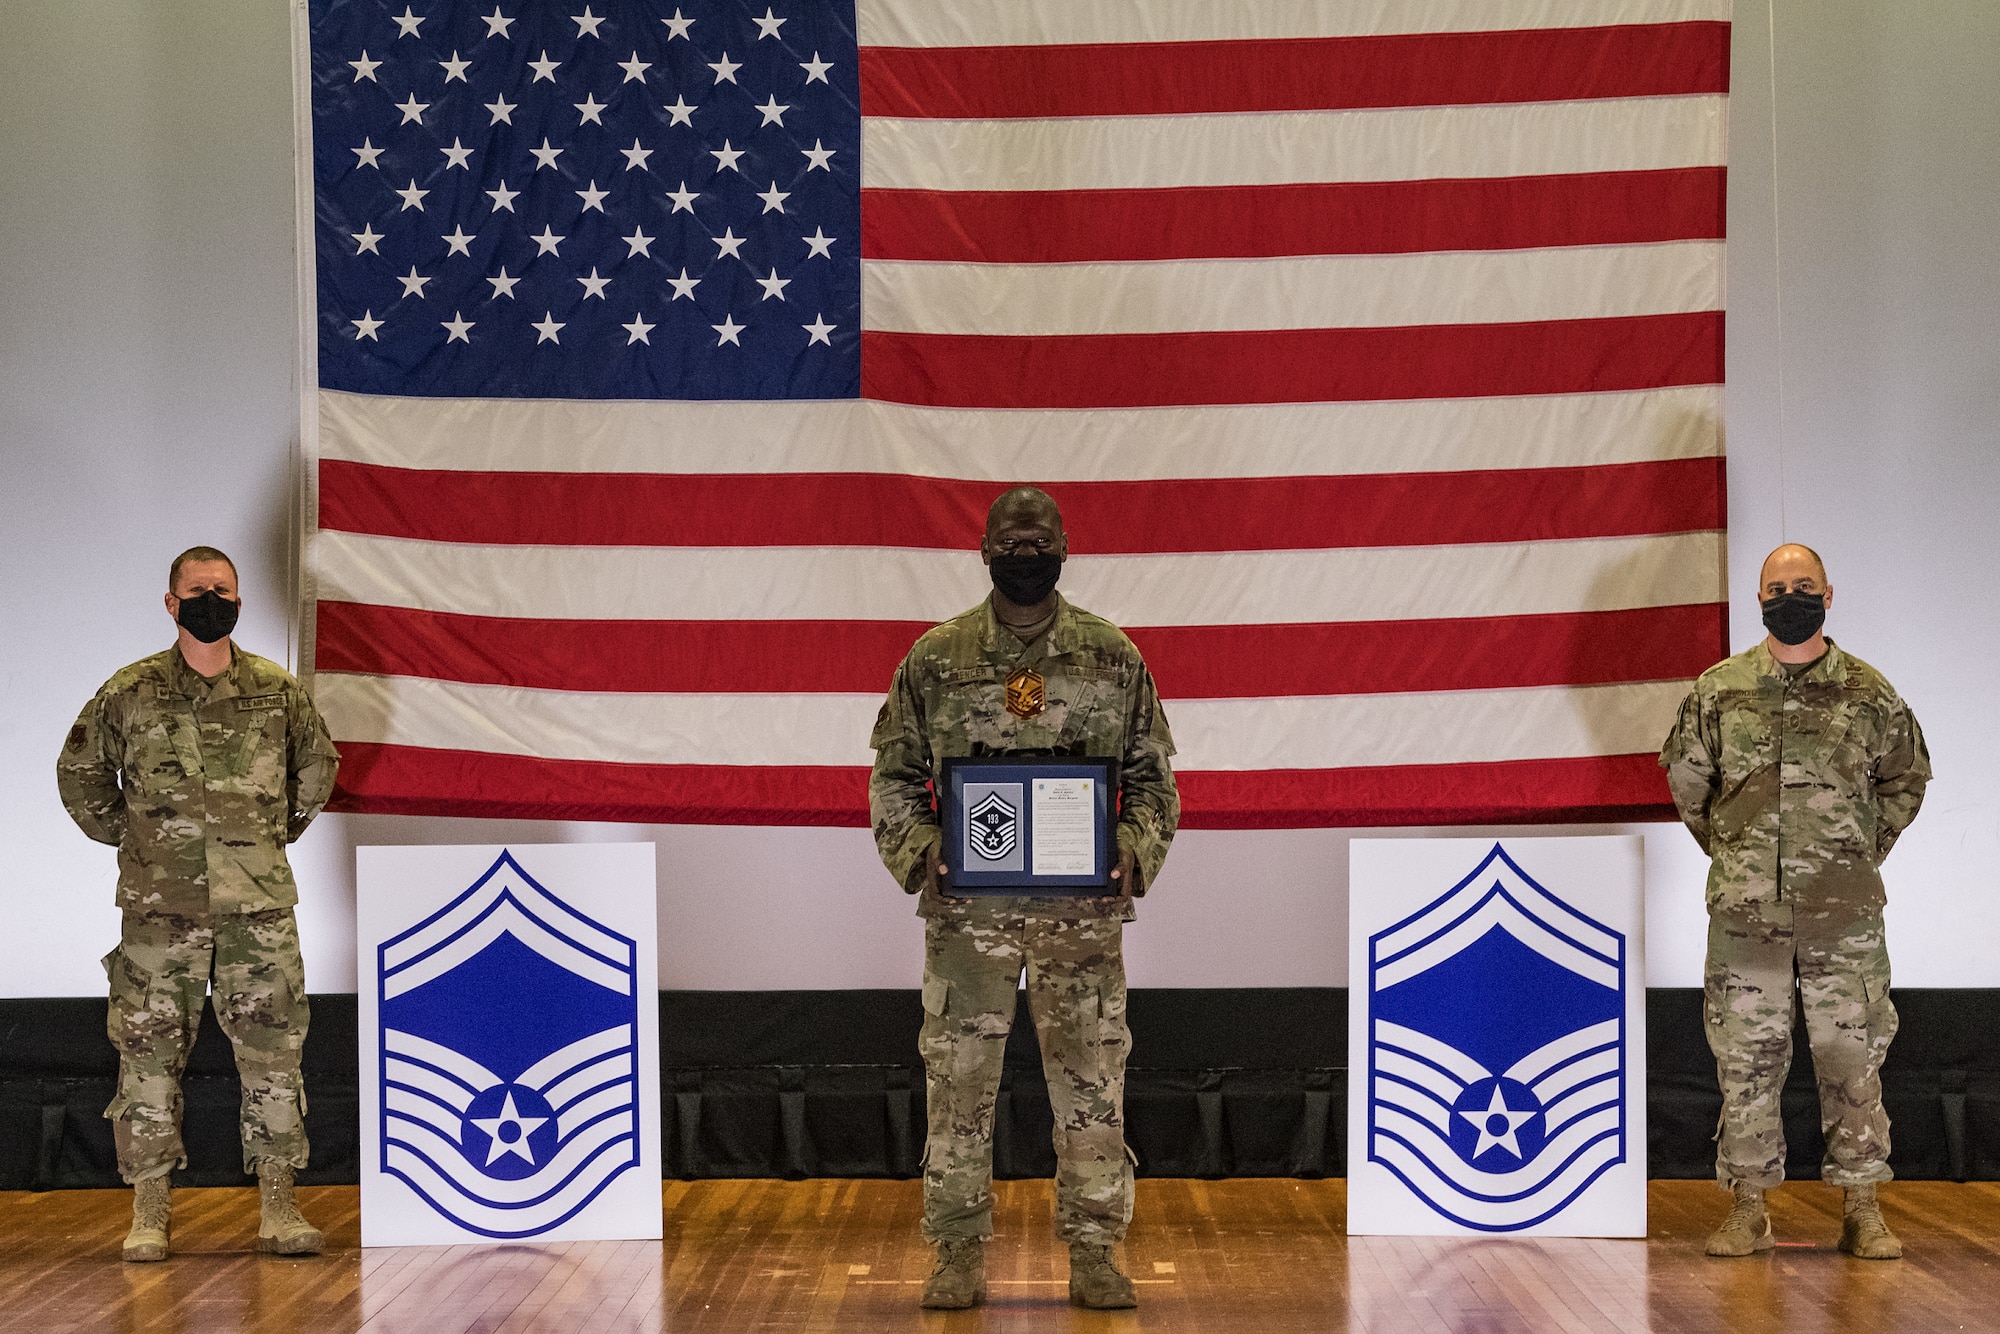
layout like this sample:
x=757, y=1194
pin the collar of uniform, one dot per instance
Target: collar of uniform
x=191, y=684
x=1832, y=665
x=996, y=638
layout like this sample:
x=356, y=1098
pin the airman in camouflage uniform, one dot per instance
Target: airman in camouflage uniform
x=1796, y=766
x=200, y=764
x=1078, y=687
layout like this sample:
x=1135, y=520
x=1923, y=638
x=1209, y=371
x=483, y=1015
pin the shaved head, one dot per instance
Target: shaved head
x=1024, y=506
x=1793, y=567
x=1793, y=555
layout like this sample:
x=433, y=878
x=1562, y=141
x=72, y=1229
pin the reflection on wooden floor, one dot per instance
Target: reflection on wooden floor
x=1214, y=1257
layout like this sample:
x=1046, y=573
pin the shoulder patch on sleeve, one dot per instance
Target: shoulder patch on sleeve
x=78, y=735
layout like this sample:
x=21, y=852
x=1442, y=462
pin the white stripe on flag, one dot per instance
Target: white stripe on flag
x=1287, y=147
x=1440, y=727
x=902, y=584
x=1053, y=445
x=1051, y=22
x=1309, y=292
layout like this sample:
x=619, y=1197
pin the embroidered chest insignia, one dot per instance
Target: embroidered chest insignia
x=1025, y=695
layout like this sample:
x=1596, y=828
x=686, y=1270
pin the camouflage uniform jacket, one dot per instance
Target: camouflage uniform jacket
x=949, y=699
x=200, y=785
x=1796, y=785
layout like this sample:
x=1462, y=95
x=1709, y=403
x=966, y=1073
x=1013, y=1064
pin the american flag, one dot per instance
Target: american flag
x=669, y=355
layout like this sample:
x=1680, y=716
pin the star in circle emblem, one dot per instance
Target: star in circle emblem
x=1026, y=694
x=509, y=1128
x=1498, y=1125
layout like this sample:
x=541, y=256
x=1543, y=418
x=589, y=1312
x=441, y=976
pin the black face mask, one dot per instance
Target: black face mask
x=1025, y=580
x=209, y=617
x=1793, y=618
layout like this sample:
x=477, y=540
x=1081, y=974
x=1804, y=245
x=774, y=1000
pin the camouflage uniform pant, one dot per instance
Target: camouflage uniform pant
x=1076, y=995
x=163, y=967
x=1842, y=974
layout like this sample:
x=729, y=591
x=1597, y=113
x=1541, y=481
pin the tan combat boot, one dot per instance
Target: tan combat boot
x=1747, y=1230
x=959, y=1278
x=152, y=1207
x=282, y=1230
x=1094, y=1280
x=1863, y=1234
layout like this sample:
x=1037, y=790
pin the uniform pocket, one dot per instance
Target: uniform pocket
x=128, y=1019
x=1111, y=1000
x=1086, y=1019
x=936, y=991
x=153, y=765
x=128, y=980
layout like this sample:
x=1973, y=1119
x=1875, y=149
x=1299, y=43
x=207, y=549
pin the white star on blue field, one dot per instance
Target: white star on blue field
x=622, y=201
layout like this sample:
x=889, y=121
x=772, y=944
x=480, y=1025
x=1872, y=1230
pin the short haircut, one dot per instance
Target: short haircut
x=1022, y=498
x=198, y=554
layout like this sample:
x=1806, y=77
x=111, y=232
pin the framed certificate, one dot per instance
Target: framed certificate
x=1028, y=824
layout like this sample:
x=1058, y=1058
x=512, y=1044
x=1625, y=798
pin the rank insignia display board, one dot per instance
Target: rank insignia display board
x=1496, y=1037
x=510, y=1048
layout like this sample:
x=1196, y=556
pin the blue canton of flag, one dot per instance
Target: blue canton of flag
x=628, y=201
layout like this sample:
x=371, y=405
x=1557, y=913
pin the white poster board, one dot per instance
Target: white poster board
x=510, y=1047
x=1497, y=1037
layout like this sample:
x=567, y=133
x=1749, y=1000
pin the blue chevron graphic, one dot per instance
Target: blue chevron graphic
x=1496, y=1051
x=508, y=1031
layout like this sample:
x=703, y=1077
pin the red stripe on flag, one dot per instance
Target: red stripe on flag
x=1472, y=653
x=898, y=510
x=408, y=780
x=1292, y=365
x=1296, y=74
x=1346, y=218
x=412, y=780
x=1594, y=788
x=1188, y=662
x=641, y=656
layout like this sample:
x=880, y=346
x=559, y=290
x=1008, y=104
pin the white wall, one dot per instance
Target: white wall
x=147, y=403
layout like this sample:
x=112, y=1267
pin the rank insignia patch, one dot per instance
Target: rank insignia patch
x=992, y=827
x=1025, y=697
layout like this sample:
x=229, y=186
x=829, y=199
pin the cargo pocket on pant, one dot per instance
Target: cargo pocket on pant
x=1089, y=1027
x=1881, y=1013
x=128, y=983
x=294, y=1010
x=936, y=991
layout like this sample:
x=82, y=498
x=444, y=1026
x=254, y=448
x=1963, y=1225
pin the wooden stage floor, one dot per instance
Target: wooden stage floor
x=1210, y=1256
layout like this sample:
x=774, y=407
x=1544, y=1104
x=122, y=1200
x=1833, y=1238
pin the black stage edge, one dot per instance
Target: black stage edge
x=1237, y=1082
